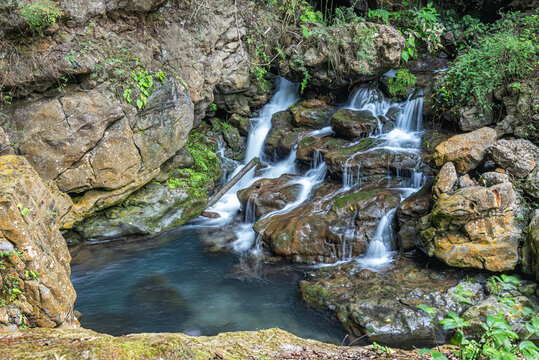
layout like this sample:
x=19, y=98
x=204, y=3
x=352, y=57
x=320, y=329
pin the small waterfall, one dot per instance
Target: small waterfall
x=250, y=211
x=379, y=250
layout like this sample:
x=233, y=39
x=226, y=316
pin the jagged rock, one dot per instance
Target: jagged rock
x=312, y=114
x=409, y=212
x=383, y=306
x=517, y=156
x=384, y=43
x=39, y=259
x=310, y=232
x=466, y=151
x=369, y=160
x=519, y=104
x=351, y=124
x=533, y=238
x=152, y=209
x=267, y=195
x=465, y=180
x=491, y=178
x=473, y=116
x=241, y=123
x=445, y=181
x=531, y=185
x=475, y=227
x=310, y=145
x=5, y=144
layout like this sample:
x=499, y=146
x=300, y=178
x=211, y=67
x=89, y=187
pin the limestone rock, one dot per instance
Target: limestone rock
x=351, y=124
x=475, y=227
x=310, y=148
x=445, y=181
x=40, y=259
x=531, y=185
x=491, y=178
x=5, y=144
x=517, y=156
x=466, y=151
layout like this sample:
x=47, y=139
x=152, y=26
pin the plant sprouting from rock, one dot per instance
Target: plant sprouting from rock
x=39, y=14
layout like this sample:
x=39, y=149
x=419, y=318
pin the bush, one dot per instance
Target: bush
x=507, y=54
x=498, y=339
x=402, y=83
x=40, y=14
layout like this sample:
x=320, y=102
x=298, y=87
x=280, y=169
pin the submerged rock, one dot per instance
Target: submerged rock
x=34, y=259
x=466, y=151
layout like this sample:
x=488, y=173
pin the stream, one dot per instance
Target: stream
x=174, y=285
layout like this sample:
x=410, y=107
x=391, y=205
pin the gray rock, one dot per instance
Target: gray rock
x=445, y=180
x=517, y=156
x=491, y=178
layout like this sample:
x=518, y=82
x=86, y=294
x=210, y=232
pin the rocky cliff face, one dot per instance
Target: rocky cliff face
x=35, y=289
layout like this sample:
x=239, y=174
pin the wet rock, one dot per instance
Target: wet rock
x=315, y=231
x=491, y=178
x=386, y=47
x=366, y=159
x=241, y=123
x=154, y=208
x=267, y=195
x=283, y=137
x=517, y=156
x=466, y=151
x=312, y=114
x=40, y=260
x=409, y=212
x=475, y=227
x=445, y=181
x=383, y=306
x=351, y=124
x=311, y=147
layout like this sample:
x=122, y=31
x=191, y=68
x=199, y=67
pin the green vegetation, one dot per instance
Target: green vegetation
x=11, y=283
x=143, y=81
x=402, y=83
x=200, y=178
x=497, y=340
x=507, y=53
x=39, y=14
x=420, y=27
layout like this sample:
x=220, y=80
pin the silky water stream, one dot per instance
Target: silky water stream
x=170, y=284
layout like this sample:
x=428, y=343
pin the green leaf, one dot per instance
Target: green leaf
x=140, y=104
x=424, y=351
x=458, y=338
x=438, y=356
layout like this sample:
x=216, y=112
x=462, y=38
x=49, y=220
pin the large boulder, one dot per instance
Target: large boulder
x=311, y=114
x=475, y=227
x=466, y=151
x=331, y=226
x=351, y=124
x=516, y=156
x=34, y=259
x=88, y=142
x=378, y=51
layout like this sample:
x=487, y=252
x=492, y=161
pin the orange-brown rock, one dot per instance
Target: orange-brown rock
x=475, y=227
x=466, y=151
x=35, y=257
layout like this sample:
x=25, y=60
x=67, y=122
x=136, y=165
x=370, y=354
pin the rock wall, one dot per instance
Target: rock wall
x=35, y=289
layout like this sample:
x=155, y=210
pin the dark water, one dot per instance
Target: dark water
x=174, y=286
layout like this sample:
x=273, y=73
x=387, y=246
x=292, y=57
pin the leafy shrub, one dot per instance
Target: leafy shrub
x=421, y=27
x=39, y=14
x=497, y=340
x=401, y=84
x=506, y=54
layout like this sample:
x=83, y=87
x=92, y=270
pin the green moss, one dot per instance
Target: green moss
x=347, y=200
x=313, y=293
